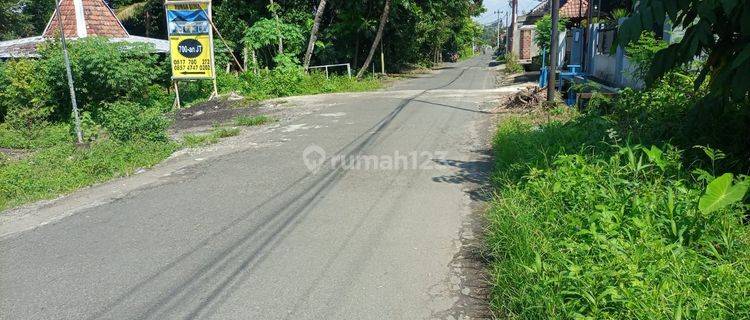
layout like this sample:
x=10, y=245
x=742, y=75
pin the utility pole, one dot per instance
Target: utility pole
x=553, y=55
x=514, y=8
x=498, y=28
x=507, y=41
x=71, y=86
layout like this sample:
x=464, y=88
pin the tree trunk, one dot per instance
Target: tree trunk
x=278, y=28
x=255, y=63
x=314, y=33
x=356, y=52
x=383, y=20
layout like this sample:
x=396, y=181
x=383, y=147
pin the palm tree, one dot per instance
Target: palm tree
x=314, y=33
x=383, y=20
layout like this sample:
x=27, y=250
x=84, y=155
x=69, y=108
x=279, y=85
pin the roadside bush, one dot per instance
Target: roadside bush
x=40, y=137
x=3, y=84
x=543, y=33
x=127, y=121
x=102, y=71
x=511, y=63
x=612, y=231
x=642, y=53
x=672, y=110
x=657, y=112
x=26, y=98
x=62, y=168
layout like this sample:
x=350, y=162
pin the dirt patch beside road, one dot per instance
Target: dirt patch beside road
x=216, y=111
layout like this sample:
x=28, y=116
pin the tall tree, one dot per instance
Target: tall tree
x=314, y=33
x=717, y=30
x=378, y=36
x=273, y=7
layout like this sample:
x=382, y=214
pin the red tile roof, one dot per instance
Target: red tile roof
x=97, y=16
x=568, y=9
x=574, y=9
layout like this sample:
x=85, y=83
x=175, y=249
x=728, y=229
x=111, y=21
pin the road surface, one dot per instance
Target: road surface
x=257, y=234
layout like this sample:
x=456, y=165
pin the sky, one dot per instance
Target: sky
x=503, y=5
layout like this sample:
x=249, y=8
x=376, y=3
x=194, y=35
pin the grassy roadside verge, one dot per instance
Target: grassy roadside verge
x=55, y=166
x=588, y=226
x=51, y=165
x=63, y=168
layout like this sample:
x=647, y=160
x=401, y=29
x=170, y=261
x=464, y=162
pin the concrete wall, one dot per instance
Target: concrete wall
x=615, y=69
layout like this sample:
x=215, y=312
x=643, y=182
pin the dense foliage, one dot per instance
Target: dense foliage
x=416, y=33
x=21, y=18
x=718, y=30
x=543, y=31
x=642, y=53
x=586, y=226
x=614, y=214
x=626, y=211
x=35, y=92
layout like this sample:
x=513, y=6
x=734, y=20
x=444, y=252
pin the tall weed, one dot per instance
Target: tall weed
x=587, y=226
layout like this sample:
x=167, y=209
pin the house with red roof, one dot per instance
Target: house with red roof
x=80, y=19
x=523, y=38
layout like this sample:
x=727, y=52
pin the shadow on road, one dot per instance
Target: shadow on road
x=475, y=175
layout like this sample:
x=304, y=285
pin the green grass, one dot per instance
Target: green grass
x=249, y=121
x=62, y=168
x=198, y=140
x=55, y=166
x=276, y=84
x=587, y=226
x=40, y=137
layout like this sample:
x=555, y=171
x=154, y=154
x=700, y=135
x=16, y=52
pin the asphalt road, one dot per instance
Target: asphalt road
x=255, y=234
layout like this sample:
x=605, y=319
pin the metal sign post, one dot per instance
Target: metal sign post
x=553, y=54
x=71, y=86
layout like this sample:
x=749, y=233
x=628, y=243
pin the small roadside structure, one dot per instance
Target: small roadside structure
x=80, y=19
x=523, y=39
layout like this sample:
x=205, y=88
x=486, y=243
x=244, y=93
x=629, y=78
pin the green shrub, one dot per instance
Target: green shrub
x=127, y=121
x=543, y=31
x=40, y=137
x=198, y=140
x=673, y=110
x=252, y=121
x=511, y=64
x=36, y=91
x=3, y=84
x=656, y=111
x=610, y=231
x=191, y=140
x=90, y=129
x=225, y=132
x=26, y=98
x=642, y=53
x=228, y=82
x=103, y=72
x=63, y=168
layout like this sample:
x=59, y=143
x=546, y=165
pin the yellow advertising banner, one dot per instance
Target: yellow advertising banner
x=190, y=39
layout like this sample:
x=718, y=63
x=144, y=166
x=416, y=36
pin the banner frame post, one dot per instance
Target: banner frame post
x=210, y=14
x=176, y=105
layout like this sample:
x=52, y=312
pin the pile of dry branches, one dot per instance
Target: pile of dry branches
x=529, y=98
